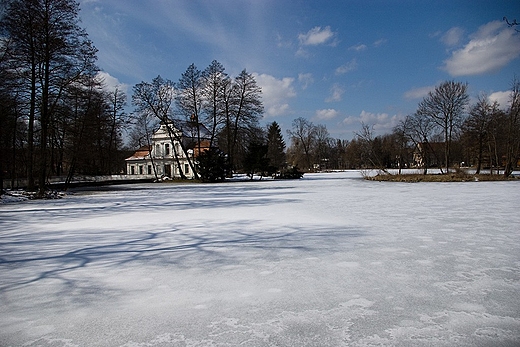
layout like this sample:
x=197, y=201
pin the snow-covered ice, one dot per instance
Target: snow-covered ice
x=329, y=260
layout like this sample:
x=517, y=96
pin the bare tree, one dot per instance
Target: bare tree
x=477, y=126
x=83, y=109
x=303, y=136
x=446, y=106
x=512, y=135
x=189, y=98
x=323, y=147
x=512, y=24
x=243, y=109
x=402, y=142
x=157, y=98
x=116, y=103
x=215, y=81
x=141, y=134
x=420, y=131
x=49, y=52
x=371, y=150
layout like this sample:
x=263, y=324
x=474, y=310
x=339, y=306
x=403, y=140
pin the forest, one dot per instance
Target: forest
x=58, y=118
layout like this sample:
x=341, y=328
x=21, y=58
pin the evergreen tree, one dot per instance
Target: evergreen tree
x=275, y=146
x=213, y=165
x=255, y=160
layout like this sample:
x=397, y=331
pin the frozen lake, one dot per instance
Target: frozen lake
x=329, y=260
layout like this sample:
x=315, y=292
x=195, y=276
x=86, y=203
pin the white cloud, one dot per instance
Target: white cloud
x=435, y=34
x=305, y=79
x=373, y=118
x=351, y=65
x=336, y=93
x=351, y=120
x=316, y=36
x=503, y=98
x=381, y=123
x=301, y=52
x=328, y=113
x=362, y=47
x=358, y=48
x=110, y=82
x=275, y=93
x=277, y=110
x=379, y=42
x=418, y=93
x=453, y=36
x=281, y=42
x=492, y=47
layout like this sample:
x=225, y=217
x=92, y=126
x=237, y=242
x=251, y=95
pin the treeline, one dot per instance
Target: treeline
x=56, y=118
x=445, y=132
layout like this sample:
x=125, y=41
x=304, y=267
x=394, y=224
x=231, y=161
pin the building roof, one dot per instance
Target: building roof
x=204, y=146
x=141, y=153
x=189, y=129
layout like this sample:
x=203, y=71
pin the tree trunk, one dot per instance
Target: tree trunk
x=480, y=151
x=30, y=130
x=44, y=123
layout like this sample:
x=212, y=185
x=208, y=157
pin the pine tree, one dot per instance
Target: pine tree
x=275, y=146
x=213, y=165
x=255, y=160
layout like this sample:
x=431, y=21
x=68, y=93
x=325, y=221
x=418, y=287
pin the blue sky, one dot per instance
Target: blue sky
x=337, y=63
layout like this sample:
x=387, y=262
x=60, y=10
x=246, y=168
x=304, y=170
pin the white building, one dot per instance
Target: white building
x=165, y=156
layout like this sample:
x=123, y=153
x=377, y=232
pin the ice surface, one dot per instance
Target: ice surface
x=329, y=260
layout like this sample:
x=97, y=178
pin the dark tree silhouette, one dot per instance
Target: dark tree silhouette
x=49, y=52
x=275, y=146
x=512, y=24
x=255, y=160
x=213, y=165
x=512, y=134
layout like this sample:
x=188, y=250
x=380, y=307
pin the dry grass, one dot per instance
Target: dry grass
x=451, y=177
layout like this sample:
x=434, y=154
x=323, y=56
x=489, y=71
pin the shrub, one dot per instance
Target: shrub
x=290, y=174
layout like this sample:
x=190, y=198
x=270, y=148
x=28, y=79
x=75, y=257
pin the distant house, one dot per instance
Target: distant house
x=137, y=164
x=429, y=154
x=165, y=156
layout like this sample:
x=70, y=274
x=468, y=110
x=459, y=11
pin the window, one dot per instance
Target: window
x=132, y=170
x=140, y=169
x=186, y=169
x=149, y=169
x=166, y=149
x=168, y=170
x=157, y=150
